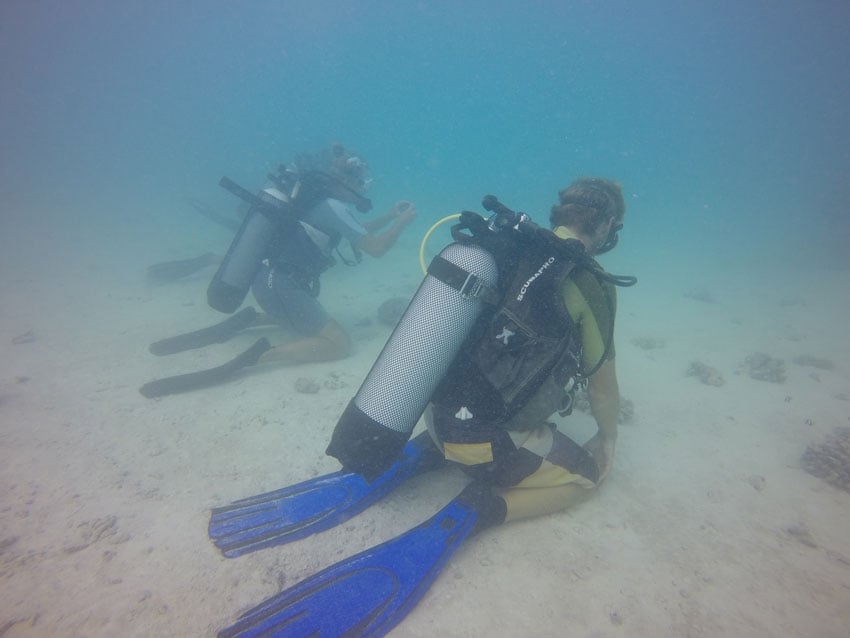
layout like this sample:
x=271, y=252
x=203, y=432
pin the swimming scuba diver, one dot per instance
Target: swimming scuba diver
x=288, y=238
x=510, y=320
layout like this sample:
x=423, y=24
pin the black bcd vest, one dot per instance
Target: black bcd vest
x=524, y=338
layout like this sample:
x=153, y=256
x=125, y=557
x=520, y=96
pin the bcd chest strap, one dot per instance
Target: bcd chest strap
x=468, y=284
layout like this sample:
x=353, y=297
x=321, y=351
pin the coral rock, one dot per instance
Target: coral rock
x=705, y=373
x=830, y=460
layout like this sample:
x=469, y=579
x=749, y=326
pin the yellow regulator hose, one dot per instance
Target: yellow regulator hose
x=427, y=235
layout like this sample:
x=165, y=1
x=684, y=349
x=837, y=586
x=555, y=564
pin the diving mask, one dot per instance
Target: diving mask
x=611, y=240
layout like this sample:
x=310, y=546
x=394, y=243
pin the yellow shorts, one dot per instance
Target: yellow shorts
x=539, y=457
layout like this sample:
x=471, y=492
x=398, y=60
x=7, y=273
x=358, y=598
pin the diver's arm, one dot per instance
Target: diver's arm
x=378, y=223
x=378, y=244
x=604, y=393
x=605, y=403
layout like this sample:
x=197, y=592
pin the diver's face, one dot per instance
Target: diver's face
x=356, y=173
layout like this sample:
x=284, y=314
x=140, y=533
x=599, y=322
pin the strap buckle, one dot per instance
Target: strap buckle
x=472, y=286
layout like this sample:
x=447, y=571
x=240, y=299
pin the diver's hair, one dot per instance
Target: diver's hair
x=338, y=161
x=588, y=203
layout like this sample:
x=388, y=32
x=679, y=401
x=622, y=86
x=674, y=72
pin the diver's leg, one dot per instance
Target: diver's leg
x=565, y=475
x=535, y=472
x=329, y=344
x=265, y=319
x=286, y=302
x=530, y=502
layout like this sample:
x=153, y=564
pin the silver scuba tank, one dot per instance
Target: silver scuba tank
x=233, y=279
x=383, y=413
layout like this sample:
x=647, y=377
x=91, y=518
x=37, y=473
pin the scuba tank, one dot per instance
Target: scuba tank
x=380, y=418
x=460, y=281
x=233, y=279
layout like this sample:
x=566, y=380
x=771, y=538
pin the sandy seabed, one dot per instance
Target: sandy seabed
x=708, y=525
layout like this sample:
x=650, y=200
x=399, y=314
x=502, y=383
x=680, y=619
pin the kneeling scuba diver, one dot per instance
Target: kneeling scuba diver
x=468, y=332
x=479, y=299
x=276, y=212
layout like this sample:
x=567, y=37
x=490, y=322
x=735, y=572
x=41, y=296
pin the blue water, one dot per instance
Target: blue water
x=720, y=118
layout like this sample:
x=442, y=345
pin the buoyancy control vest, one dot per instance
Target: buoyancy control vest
x=526, y=337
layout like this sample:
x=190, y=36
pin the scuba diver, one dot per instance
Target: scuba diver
x=290, y=234
x=510, y=320
x=286, y=285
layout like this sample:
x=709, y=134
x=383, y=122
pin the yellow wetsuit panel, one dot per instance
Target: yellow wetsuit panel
x=592, y=308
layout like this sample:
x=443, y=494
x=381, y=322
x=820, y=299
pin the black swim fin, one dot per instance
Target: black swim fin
x=213, y=215
x=371, y=592
x=168, y=271
x=206, y=378
x=218, y=333
x=312, y=506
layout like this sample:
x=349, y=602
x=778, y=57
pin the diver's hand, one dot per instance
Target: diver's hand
x=602, y=450
x=404, y=211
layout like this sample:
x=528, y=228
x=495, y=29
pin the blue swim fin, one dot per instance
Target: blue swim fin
x=367, y=594
x=312, y=506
